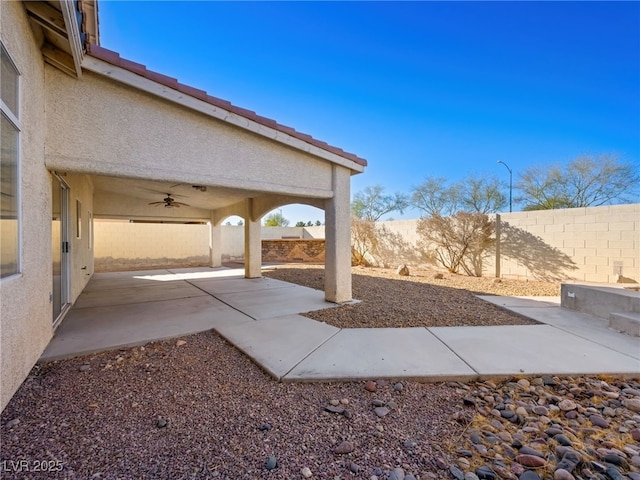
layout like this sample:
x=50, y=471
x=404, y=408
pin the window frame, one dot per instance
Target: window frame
x=14, y=119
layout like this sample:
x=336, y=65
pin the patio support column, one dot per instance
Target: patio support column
x=337, y=279
x=215, y=243
x=252, y=244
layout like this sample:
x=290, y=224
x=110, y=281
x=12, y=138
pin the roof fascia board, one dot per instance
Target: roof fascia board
x=129, y=78
x=73, y=33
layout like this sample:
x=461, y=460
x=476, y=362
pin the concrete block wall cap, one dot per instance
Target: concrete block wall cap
x=114, y=58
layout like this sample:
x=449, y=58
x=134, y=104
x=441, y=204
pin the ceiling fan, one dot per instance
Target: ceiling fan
x=169, y=202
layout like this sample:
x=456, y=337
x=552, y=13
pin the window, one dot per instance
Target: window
x=9, y=166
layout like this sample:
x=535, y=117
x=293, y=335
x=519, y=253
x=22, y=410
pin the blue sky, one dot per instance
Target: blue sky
x=417, y=88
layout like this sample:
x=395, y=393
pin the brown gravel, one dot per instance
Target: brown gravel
x=99, y=416
x=102, y=422
x=419, y=300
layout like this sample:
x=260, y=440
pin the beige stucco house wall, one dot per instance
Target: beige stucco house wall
x=123, y=139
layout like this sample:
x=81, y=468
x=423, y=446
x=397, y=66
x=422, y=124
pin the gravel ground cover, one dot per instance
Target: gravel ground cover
x=197, y=408
x=419, y=300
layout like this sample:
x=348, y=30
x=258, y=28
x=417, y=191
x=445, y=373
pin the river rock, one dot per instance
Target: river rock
x=531, y=461
x=344, y=447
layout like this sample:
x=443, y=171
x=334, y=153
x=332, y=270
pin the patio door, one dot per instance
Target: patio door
x=60, y=246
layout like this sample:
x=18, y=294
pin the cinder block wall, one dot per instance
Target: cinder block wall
x=126, y=246
x=129, y=246
x=594, y=244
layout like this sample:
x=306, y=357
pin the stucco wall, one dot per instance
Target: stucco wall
x=25, y=311
x=177, y=145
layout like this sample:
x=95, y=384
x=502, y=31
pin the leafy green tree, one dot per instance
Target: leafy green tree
x=300, y=224
x=481, y=194
x=318, y=223
x=585, y=181
x=372, y=203
x=240, y=223
x=275, y=219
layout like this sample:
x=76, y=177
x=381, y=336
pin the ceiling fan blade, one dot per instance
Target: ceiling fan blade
x=177, y=204
x=156, y=203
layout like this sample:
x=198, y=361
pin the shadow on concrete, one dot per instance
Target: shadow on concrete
x=541, y=259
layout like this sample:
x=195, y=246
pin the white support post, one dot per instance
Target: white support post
x=215, y=243
x=337, y=283
x=252, y=244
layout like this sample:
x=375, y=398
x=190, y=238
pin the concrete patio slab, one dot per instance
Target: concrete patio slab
x=532, y=350
x=105, y=281
x=278, y=344
x=360, y=353
x=217, y=286
x=137, y=294
x=89, y=330
x=547, y=310
x=276, y=302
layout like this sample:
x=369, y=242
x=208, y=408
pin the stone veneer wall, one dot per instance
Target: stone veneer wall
x=293, y=250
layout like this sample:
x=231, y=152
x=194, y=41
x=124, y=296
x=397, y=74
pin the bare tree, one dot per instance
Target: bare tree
x=482, y=194
x=475, y=194
x=434, y=197
x=372, y=203
x=586, y=181
x=458, y=241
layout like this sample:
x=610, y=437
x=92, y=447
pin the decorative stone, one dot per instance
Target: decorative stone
x=632, y=404
x=12, y=423
x=470, y=476
x=531, y=461
x=344, y=447
x=531, y=451
x=370, y=386
x=486, y=473
x=562, y=474
x=306, y=472
x=402, y=270
x=354, y=467
x=529, y=475
x=162, y=423
x=85, y=367
x=398, y=387
x=381, y=411
x=598, y=421
x=179, y=343
x=397, y=474
x=567, y=405
x=540, y=410
x=377, y=403
x=271, y=463
x=438, y=276
x=570, y=460
x=563, y=440
x=332, y=409
x=456, y=472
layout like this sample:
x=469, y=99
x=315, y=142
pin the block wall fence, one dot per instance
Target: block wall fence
x=593, y=244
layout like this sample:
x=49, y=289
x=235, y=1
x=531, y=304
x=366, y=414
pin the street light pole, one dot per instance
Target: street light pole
x=510, y=183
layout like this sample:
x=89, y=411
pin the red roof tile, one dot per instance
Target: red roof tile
x=114, y=58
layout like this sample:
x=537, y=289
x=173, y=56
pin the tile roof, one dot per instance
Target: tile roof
x=114, y=58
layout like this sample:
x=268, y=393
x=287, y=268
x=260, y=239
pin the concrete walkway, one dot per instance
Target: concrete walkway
x=261, y=318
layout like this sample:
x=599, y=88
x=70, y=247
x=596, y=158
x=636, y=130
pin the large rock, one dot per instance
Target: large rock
x=403, y=270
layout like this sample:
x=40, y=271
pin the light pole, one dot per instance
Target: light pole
x=510, y=183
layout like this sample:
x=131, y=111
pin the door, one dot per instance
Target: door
x=60, y=245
